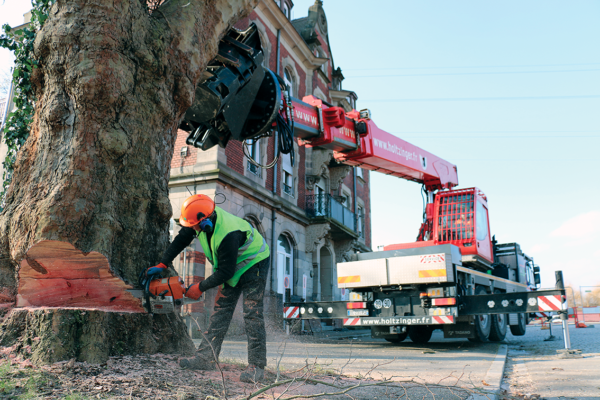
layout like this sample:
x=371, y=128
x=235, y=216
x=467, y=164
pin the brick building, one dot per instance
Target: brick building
x=312, y=214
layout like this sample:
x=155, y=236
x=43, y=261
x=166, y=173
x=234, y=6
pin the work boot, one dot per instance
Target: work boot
x=252, y=374
x=197, y=363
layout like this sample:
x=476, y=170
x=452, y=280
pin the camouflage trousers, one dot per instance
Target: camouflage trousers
x=252, y=284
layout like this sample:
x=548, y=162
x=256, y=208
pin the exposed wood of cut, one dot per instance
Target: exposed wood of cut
x=56, y=274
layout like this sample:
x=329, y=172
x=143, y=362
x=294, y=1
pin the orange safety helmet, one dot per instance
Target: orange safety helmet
x=195, y=209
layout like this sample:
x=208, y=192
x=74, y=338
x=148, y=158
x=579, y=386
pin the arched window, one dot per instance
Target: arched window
x=285, y=264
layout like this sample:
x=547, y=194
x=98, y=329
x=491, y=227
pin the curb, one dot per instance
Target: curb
x=494, y=376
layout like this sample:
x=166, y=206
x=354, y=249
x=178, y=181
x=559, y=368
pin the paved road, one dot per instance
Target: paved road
x=534, y=368
x=453, y=362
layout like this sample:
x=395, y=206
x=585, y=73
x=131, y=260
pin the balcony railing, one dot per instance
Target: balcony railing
x=324, y=205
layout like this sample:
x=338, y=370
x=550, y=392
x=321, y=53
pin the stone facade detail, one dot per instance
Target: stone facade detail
x=320, y=162
x=311, y=181
x=314, y=234
x=345, y=248
x=337, y=175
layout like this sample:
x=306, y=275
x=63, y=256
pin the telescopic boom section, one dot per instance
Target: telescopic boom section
x=357, y=141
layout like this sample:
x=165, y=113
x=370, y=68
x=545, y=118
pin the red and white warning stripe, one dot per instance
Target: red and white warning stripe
x=291, y=312
x=552, y=303
x=542, y=315
x=443, y=319
x=352, y=321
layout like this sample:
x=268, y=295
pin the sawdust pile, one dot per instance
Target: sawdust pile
x=139, y=377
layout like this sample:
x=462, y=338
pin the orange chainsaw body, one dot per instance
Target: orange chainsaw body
x=173, y=287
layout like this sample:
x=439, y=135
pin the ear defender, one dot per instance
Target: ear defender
x=206, y=225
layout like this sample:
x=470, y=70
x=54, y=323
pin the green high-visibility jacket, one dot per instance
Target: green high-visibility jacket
x=254, y=250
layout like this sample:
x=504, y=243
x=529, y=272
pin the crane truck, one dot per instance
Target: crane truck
x=455, y=277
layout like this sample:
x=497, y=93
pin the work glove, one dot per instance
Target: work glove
x=156, y=270
x=193, y=291
x=151, y=273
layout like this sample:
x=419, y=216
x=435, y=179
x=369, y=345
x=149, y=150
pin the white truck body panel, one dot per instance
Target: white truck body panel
x=432, y=264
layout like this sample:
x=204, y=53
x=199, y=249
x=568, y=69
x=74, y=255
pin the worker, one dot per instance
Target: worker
x=240, y=259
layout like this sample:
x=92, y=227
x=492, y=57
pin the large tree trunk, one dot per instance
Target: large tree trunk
x=114, y=82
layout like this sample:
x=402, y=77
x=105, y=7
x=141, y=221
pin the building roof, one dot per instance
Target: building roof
x=306, y=26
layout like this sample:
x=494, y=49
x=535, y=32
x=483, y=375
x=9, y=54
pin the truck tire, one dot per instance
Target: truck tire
x=420, y=334
x=519, y=329
x=397, y=338
x=499, y=325
x=483, y=323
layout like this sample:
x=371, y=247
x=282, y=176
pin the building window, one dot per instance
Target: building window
x=254, y=152
x=320, y=202
x=359, y=173
x=321, y=54
x=286, y=10
x=287, y=174
x=360, y=221
x=285, y=264
x=289, y=81
x=288, y=183
x=345, y=199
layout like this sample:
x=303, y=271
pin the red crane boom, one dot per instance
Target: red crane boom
x=370, y=148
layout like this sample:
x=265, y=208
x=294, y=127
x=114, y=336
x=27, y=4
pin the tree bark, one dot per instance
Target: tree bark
x=113, y=84
x=48, y=335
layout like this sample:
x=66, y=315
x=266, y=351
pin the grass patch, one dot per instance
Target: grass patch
x=24, y=383
x=233, y=361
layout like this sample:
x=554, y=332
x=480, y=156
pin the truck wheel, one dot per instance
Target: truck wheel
x=397, y=338
x=420, y=334
x=499, y=326
x=483, y=323
x=519, y=329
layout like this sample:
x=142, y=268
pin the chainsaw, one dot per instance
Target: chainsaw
x=163, y=295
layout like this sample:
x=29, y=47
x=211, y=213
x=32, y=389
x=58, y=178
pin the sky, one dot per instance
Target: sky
x=509, y=91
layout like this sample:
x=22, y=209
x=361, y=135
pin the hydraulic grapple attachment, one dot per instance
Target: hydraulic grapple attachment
x=238, y=97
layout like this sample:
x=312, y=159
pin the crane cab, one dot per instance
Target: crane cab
x=461, y=218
